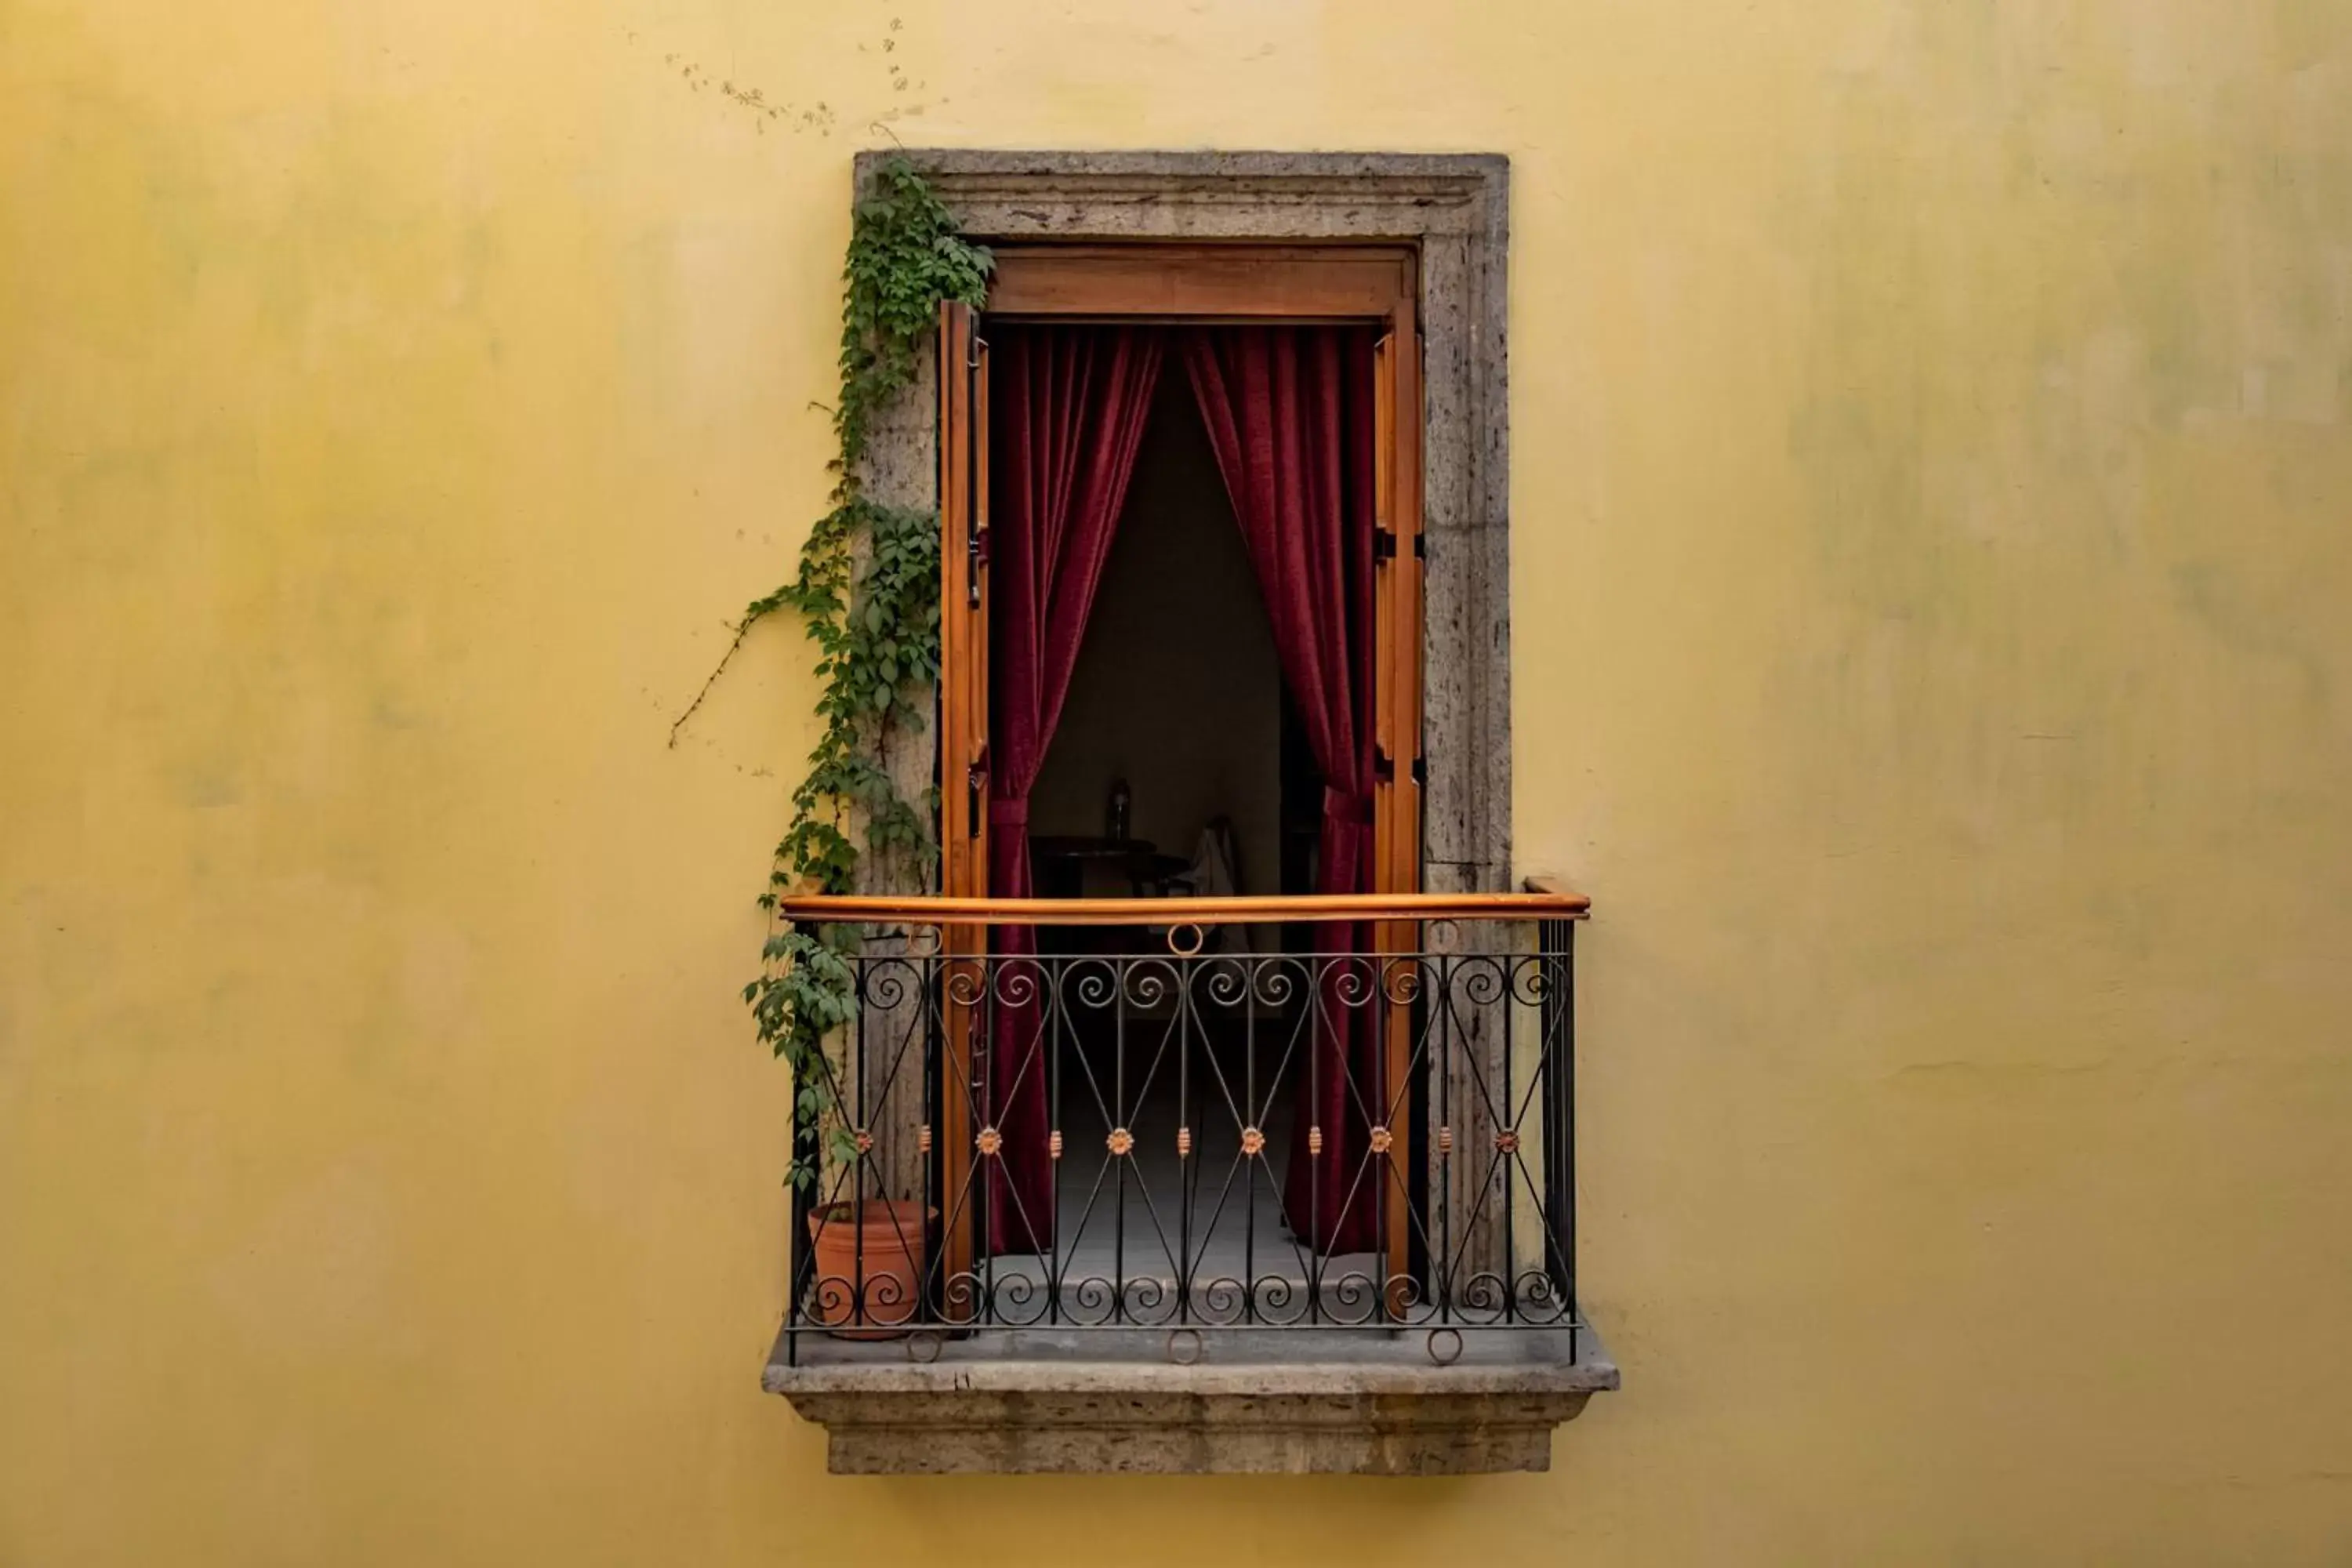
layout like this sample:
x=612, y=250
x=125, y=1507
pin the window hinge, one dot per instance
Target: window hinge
x=975, y=779
x=1383, y=766
x=1384, y=544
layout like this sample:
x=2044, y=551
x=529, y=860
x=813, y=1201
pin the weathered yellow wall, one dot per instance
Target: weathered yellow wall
x=1933, y=553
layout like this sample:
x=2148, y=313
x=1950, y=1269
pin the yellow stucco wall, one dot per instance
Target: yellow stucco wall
x=1933, y=531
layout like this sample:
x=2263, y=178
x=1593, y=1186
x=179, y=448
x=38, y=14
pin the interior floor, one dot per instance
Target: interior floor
x=1157, y=1215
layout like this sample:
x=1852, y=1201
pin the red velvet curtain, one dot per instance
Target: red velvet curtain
x=1289, y=413
x=1066, y=413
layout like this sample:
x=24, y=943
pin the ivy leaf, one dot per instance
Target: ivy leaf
x=865, y=588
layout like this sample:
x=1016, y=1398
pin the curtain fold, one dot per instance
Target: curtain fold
x=1067, y=406
x=1289, y=413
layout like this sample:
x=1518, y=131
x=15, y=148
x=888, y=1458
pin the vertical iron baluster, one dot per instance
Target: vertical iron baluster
x=800, y=1247
x=1118, y=1165
x=983, y=1170
x=931, y=1298
x=1186, y=1187
x=1317, y=1259
x=1548, y=984
x=1508, y=1157
x=1441, y=1267
x=1384, y=1296
x=1054, y=1263
x=1312, y=1259
x=1567, y=1126
x=1249, y=1031
x=857, y=1160
x=1249, y=1176
x=1559, y=1123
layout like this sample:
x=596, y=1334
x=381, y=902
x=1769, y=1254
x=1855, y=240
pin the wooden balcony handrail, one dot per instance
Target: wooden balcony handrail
x=1554, y=904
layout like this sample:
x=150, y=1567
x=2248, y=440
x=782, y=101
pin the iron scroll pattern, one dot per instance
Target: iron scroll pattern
x=1165, y=1073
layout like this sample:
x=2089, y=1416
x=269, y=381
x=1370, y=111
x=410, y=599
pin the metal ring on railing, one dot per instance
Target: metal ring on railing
x=1184, y=1346
x=1451, y=1338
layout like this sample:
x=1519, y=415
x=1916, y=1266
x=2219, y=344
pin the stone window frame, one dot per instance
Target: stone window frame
x=1454, y=209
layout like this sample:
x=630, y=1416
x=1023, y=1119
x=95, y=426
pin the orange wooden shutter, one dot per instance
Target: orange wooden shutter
x=1396, y=788
x=1397, y=608
x=963, y=750
x=963, y=605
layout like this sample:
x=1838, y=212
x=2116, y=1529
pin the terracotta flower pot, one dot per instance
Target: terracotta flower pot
x=869, y=1266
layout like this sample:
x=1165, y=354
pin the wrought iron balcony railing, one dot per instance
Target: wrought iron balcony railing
x=1190, y=1119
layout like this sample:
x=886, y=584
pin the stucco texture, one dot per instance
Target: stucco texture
x=1931, y=475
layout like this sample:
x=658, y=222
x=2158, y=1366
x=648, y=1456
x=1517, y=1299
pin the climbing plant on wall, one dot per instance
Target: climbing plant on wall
x=866, y=590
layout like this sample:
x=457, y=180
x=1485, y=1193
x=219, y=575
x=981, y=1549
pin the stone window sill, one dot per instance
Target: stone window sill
x=1014, y=1401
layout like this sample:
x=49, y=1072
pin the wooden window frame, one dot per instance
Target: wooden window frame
x=1192, y=284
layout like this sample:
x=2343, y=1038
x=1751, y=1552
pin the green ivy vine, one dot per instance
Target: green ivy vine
x=866, y=590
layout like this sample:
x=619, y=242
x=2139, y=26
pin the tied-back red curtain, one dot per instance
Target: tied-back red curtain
x=1067, y=405
x=1289, y=413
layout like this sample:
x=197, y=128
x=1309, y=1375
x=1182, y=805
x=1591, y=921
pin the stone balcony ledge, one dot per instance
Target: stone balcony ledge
x=1344, y=1401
